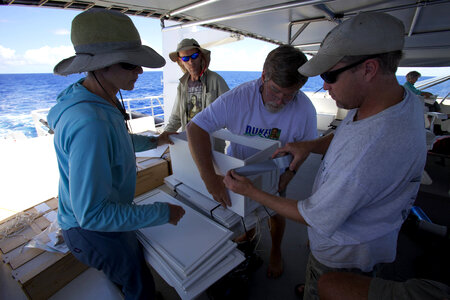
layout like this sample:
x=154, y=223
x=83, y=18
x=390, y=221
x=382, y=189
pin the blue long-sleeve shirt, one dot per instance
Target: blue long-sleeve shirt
x=412, y=88
x=97, y=166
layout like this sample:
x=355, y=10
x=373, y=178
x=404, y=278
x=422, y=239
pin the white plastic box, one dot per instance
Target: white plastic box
x=185, y=170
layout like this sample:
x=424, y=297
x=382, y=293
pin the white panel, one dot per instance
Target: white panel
x=185, y=169
x=202, y=235
x=214, y=274
x=186, y=282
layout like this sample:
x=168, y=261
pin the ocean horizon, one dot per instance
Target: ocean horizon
x=20, y=94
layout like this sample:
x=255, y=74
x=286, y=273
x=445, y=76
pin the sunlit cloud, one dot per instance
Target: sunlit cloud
x=48, y=55
x=231, y=58
x=42, y=59
x=6, y=53
x=61, y=32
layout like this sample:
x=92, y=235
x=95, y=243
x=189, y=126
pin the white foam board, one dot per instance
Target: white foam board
x=185, y=169
x=189, y=243
x=186, y=282
x=215, y=273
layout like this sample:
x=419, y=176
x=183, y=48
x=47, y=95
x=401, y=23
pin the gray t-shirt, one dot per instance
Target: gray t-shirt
x=365, y=187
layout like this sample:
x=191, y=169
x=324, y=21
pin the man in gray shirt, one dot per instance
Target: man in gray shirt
x=373, y=163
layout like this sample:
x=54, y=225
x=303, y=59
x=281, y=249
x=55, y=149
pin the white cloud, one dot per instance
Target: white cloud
x=40, y=60
x=9, y=59
x=231, y=58
x=48, y=55
x=6, y=53
x=61, y=32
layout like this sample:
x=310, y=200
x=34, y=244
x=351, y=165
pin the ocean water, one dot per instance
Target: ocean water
x=22, y=93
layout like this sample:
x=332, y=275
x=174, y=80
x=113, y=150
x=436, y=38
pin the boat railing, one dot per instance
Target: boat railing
x=135, y=107
x=154, y=107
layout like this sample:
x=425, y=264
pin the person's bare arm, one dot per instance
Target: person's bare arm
x=200, y=147
x=426, y=94
x=301, y=150
x=283, y=206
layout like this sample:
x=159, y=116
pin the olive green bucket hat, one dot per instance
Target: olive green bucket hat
x=188, y=44
x=102, y=38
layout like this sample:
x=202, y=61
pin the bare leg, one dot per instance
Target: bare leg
x=277, y=225
x=248, y=236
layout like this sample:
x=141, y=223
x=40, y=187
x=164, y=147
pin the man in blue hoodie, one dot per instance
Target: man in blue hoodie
x=95, y=152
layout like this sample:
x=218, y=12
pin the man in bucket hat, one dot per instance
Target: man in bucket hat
x=198, y=87
x=95, y=152
x=373, y=163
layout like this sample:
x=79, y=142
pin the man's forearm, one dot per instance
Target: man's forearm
x=283, y=206
x=320, y=145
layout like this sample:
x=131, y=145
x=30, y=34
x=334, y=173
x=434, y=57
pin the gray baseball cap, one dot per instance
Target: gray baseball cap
x=367, y=33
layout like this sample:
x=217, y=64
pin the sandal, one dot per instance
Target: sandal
x=298, y=293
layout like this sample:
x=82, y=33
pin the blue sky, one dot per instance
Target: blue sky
x=33, y=40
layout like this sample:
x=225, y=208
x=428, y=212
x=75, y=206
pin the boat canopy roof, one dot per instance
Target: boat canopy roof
x=303, y=24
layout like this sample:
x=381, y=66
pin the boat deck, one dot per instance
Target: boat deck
x=433, y=199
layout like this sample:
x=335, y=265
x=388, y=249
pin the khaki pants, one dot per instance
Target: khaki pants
x=315, y=269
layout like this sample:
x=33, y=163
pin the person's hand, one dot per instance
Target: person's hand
x=164, y=138
x=299, y=151
x=176, y=213
x=285, y=178
x=427, y=95
x=238, y=184
x=217, y=189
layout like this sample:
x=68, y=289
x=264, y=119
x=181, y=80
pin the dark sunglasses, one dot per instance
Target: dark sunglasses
x=193, y=56
x=332, y=76
x=127, y=66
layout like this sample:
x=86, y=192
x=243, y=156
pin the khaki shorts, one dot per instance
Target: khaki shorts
x=411, y=289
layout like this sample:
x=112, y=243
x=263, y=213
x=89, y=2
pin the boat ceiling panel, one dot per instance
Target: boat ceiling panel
x=301, y=23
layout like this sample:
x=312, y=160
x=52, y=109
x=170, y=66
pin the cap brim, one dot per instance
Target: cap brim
x=142, y=56
x=318, y=64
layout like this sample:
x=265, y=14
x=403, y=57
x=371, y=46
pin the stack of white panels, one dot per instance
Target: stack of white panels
x=192, y=255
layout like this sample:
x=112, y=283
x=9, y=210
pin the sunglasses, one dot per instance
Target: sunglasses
x=127, y=66
x=193, y=56
x=332, y=76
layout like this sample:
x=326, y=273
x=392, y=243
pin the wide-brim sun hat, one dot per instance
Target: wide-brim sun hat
x=367, y=33
x=102, y=38
x=187, y=44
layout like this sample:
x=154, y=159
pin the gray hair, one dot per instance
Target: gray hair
x=281, y=66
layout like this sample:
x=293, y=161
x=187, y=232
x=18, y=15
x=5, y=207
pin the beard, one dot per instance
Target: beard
x=272, y=108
